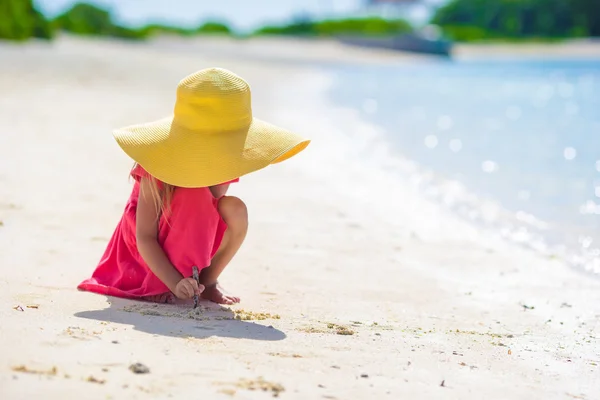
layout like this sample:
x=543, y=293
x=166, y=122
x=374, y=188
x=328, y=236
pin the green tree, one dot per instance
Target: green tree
x=157, y=29
x=20, y=20
x=515, y=19
x=87, y=19
x=214, y=28
x=362, y=26
x=371, y=26
x=588, y=12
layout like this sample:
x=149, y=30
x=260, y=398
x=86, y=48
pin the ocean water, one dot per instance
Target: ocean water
x=512, y=145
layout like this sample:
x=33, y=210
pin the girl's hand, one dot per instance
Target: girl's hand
x=187, y=288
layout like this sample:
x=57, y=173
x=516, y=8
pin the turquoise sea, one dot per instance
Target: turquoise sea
x=512, y=145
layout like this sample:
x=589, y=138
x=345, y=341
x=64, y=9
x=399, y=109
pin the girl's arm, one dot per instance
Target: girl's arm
x=219, y=190
x=147, y=242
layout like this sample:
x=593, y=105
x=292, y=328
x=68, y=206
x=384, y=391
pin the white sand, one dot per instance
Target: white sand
x=333, y=242
x=574, y=49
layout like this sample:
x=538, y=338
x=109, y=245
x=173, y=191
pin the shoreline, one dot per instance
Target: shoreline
x=324, y=50
x=506, y=224
x=339, y=245
x=575, y=48
x=306, y=51
x=487, y=215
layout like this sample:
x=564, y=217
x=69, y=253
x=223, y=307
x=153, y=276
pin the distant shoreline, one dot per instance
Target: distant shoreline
x=588, y=48
x=312, y=50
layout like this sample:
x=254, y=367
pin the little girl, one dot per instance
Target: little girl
x=178, y=215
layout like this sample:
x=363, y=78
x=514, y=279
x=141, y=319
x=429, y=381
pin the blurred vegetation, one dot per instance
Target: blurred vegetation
x=207, y=28
x=470, y=20
x=86, y=19
x=214, y=27
x=370, y=26
x=462, y=20
x=20, y=20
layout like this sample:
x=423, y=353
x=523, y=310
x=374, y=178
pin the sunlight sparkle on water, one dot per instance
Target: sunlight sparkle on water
x=455, y=145
x=431, y=141
x=444, y=122
x=489, y=166
x=569, y=153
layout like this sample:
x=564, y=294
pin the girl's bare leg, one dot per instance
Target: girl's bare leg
x=235, y=214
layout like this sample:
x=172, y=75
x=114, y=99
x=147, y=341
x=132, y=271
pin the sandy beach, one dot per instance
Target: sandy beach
x=353, y=285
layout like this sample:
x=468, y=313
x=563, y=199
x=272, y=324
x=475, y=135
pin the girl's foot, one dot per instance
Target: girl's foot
x=164, y=298
x=217, y=294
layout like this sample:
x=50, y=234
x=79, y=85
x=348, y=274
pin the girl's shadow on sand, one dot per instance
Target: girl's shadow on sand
x=181, y=320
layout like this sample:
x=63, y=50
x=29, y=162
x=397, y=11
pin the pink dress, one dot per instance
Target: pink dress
x=190, y=238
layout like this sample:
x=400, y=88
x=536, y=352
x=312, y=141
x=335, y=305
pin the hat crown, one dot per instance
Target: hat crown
x=213, y=100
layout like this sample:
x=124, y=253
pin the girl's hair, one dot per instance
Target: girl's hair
x=162, y=194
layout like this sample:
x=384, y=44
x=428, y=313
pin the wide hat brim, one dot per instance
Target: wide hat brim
x=185, y=158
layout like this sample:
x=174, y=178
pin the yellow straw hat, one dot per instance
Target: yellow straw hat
x=212, y=136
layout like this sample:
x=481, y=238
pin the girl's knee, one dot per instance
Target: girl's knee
x=234, y=211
